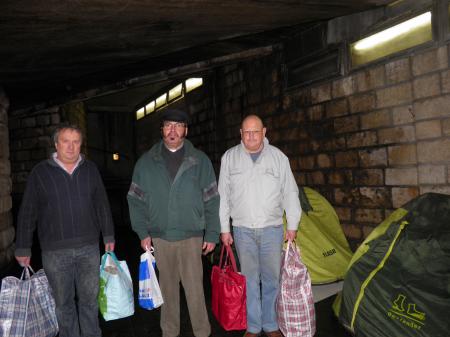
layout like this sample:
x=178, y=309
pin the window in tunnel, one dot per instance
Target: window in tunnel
x=402, y=36
x=170, y=96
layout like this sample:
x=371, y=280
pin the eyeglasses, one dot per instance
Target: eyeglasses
x=176, y=125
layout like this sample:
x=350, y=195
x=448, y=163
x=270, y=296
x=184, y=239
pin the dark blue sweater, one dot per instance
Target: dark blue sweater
x=69, y=211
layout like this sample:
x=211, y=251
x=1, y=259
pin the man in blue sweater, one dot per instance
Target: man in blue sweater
x=174, y=205
x=66, y=202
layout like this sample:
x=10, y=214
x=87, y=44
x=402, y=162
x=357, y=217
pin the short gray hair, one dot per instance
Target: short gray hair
x=62, y=127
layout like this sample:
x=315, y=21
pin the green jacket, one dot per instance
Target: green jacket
x=187, y=207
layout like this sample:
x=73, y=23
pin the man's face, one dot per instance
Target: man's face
x=68, y=146
x=252, y=134
x=173, y=134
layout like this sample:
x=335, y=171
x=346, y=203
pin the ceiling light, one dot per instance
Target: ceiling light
x=393, y=32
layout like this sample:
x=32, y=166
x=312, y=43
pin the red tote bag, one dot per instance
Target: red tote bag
x=229, y=296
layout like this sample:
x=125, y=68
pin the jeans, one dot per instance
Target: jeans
x=259, y=251
x=71, y=273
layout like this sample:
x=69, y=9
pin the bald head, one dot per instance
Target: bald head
x=253, y=119
x=253, y=133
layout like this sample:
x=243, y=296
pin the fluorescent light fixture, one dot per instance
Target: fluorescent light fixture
x=175, y=91
x=393, y=32
x=150, y=107
x=193, y=82
x=140, y=113
x=161, y=100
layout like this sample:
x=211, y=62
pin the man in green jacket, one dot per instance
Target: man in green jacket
x=174, y=205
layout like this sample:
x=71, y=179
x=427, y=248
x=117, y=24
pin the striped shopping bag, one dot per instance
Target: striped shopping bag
x=295, y=303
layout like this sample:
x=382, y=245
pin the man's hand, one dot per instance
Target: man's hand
x=290, y=235
x=24, y=261
x=208, y=247
x=227, y=239
x=109, y=247
x=146, y=243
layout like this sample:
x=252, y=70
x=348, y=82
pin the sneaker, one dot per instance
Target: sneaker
x=276, y=333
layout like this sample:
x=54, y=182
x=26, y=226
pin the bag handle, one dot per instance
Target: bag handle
x=114, y=258
x=290, y=245
x=229, y=257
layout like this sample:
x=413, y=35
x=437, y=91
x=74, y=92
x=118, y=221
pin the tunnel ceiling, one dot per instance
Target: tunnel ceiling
x=53, y=48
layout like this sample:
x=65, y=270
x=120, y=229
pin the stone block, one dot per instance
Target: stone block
x=401, y=176
x=369, y=177
x=430, y=61
x=336, y=143
x=5, y=220
x=352, y=231
x=316, y=178
x=432, y=174
x=346, y=159
x=344, y=213
x=426, y=86
x=345, y=196
x=374, y=197
x=373, y=157
x=394, y=95
x=446, y=126
x=6, y=238
x=436, y=151
x=307, y=162
x=403, y=114
x=346, y=124
x=337, y=108
x=43, y=120
x=321, y=93
x=362, y=139
x=398, y=71
x=369, y=215
x=5, y=203
x=443, y=189
x=445, y=81
x=5, y=167
x=342, y=87
x=324, y=160
x=428, y=129
x=398, y=134
x=341, y=177
x=362, y=102
x=402, y=155
x=401, y=195
x=369, y=79
x=315, y=112
x=432, y=108
x=376, y=119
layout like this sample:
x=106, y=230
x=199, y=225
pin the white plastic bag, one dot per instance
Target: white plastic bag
x=115, y=298
x=150, y=296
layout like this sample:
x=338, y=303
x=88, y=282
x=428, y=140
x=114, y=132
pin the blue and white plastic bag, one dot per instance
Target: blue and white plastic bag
x=150, y=296
x=115, y=297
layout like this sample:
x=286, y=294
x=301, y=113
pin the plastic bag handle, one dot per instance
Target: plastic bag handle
x=228, y=258
x=115, y=260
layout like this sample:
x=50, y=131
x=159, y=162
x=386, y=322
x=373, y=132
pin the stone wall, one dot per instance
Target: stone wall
x=31, y=139
x=6, y=225
x=369, y=141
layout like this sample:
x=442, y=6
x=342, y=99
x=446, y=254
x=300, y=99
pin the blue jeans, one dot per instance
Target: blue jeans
x=75, y=273
x=259, y=251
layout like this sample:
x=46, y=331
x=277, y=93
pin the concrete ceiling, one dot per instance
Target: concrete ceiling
x=53, y=48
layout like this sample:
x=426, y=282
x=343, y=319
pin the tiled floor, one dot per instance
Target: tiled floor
x=146, y=323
